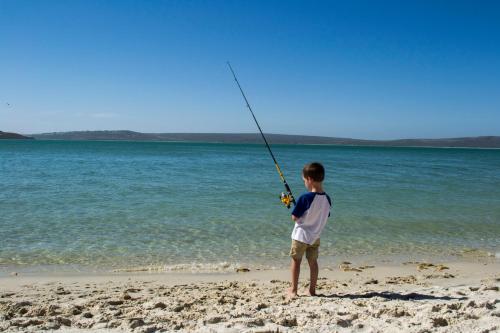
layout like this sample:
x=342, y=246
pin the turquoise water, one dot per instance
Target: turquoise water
x=110, y=205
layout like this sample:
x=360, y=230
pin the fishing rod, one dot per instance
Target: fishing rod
x=286, y=198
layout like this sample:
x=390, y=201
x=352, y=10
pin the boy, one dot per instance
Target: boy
x=310, y=215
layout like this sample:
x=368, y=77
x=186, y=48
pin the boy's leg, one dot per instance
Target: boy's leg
x=295, y=269
x=296, y=252
x=312, y=258
x=313, y=267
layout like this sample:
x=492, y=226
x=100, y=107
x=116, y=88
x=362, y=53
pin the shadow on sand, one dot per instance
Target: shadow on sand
x=395, y=296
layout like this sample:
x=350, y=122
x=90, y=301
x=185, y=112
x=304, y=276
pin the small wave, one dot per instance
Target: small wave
x=222, y=267
x=477, y=253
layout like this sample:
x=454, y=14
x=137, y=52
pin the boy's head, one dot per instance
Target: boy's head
x=314, y=171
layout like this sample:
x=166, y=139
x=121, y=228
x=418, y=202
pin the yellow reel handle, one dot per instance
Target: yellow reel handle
x=286, y=199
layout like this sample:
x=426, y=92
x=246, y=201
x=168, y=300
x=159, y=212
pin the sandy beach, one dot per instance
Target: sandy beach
x=408, y=297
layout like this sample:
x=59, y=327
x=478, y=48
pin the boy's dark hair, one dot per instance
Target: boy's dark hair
x=315, y=171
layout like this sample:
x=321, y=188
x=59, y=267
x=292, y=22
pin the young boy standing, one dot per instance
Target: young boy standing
x=310, y=215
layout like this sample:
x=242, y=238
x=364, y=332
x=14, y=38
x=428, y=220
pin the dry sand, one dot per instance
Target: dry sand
x=412, y=297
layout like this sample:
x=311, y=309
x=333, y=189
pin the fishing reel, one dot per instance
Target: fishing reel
x=287, y=199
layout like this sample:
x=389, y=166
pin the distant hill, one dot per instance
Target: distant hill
x=479, y=142
x=7, y=135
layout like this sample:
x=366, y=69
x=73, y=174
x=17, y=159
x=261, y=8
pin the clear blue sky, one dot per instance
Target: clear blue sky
x=361, y=69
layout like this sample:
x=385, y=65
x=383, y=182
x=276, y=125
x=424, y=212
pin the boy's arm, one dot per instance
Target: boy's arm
x=299, y=209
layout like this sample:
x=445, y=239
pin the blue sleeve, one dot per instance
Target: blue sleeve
x=330, y=202
x=303, y=204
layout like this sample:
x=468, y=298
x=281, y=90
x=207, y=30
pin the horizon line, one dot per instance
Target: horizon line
x=258, y=134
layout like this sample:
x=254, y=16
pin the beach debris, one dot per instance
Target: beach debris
x=439, y=322
x=62, y=291
x=261, y=306
x=438, y=276
x=14, y=273
x=52, y=310
x=471, y=304
x=441, y=267
x=26, y=323
x=343, y=322
x=160, y=305
x=345, y=266
x=454, y=306
x=136, y=322
x=360, y=303
x=130, y=270
x=366, y=267
x=214, y=320
x=242, y=270
x=351, y=269
x=288, y=322
x=63, y=321
x=472, y=252
x=372, y=281
x=410, y=279
x=76, y=310
x=494, y=288
x=424, y=265
x=87, y=315
x=398, y=312
x=436, y=308
x=421, y=266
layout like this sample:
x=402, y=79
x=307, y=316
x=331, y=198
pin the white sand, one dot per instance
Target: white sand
x=456, y=297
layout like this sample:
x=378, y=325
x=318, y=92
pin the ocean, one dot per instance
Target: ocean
x=94, y=206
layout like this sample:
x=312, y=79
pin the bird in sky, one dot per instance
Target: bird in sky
x=7, y=105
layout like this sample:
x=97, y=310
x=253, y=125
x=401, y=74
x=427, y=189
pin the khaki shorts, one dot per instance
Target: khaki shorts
x=298, y=249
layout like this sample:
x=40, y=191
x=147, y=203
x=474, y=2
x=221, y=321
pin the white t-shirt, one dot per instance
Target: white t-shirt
x=313, y=210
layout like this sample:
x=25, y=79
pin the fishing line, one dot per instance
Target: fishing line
x=286, y=198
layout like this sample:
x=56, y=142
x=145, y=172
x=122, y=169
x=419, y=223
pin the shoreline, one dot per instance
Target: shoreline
x=411, y=297
x=461, y=271
x=327, y=262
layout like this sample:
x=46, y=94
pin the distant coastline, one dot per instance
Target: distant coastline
x=465, y=142
x=15, y=136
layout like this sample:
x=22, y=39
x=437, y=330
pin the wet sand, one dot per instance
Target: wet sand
x=410, y=297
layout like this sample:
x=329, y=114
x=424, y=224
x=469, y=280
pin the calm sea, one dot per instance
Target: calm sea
x=93, y=206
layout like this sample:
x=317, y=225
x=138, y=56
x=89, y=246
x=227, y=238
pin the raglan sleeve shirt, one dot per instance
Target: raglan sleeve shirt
x=312, y=211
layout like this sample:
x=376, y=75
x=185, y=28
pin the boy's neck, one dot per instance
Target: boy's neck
x=316, y=187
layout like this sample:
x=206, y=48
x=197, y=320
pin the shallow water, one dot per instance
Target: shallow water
x=105, y=205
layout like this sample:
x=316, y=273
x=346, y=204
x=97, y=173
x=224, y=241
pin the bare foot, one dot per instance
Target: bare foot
x=312, y=293
x=290, y=294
